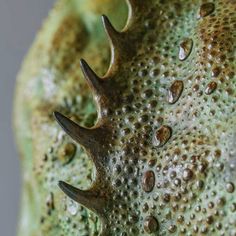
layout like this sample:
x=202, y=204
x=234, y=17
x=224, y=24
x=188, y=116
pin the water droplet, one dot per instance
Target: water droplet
x=206, y=9
x=148, y=181
x=230, y=187
x=210, y=88
x=187, y=174
x=162, y=135
x=185, y=48
x=175, y=91
x=151, y=224
x=73, y=207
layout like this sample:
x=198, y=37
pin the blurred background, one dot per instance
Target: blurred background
x=19, y=22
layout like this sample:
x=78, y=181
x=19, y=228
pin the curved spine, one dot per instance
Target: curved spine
x=94, y=81
x=90, y=199
x=80, y=134
x=113, y=34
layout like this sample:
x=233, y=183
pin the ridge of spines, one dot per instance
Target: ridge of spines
x=93, y=139
x=90, y=199
x=103, y=88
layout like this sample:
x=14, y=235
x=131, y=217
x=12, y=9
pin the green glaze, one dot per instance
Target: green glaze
x=51, y=80
x=159, y=150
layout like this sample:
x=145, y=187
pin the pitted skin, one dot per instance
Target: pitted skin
x=159, y=155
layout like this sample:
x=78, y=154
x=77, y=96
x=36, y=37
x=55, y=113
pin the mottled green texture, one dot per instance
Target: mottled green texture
x=166, y=154
x=51, y=80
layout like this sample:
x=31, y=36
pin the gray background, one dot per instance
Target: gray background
x=19, y=22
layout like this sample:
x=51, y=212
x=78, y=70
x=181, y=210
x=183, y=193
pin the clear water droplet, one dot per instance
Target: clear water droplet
x=162, y=135
x=206, y=9
x=150, y=224
x=148, y=181
x=185, y=48
x=175, y=91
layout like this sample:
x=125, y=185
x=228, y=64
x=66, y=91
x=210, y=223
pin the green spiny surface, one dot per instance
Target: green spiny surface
x=161, y=157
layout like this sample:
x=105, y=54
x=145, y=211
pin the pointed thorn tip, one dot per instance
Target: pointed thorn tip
x=110, y=30
x=55, y=114
x=85, y=137
x=70, y=127
x=69, y=190
x=60, y=183
x=92, y=78
x=87, y=198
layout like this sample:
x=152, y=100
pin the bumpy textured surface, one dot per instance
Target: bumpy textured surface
x=161, y=157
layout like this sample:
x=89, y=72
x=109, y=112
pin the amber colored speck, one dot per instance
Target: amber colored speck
x=216, y=71
x=210, y=88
